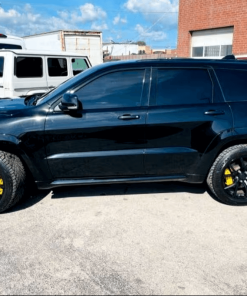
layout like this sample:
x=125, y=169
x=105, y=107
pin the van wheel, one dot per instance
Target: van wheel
x=12, y=180
x=227, y=178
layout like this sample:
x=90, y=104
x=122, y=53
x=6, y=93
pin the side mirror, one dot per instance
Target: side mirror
x=69, y=102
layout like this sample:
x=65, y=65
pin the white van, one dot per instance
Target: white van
x=11, y=42
x=24, y=73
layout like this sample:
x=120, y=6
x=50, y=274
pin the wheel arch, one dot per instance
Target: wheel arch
x=11, y=144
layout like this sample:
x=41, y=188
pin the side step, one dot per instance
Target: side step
x=79, y=182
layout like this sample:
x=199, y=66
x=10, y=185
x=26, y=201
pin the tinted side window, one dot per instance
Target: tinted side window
x=118, y=89
x=1, y=66
x=183, y=86
x=9, y=46
x=78, y=65
x=57, y=67
x=233, y=83
x=29, y=67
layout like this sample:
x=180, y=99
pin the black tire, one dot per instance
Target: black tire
x=233, y=159
x=12, y=180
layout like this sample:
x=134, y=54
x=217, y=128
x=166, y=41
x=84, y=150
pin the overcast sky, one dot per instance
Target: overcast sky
x=154, y=21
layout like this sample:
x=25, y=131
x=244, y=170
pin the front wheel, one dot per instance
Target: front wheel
x=12, y=180
x=227, y=178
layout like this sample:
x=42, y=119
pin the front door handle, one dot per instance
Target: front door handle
x=214, y=112
x=128, y=117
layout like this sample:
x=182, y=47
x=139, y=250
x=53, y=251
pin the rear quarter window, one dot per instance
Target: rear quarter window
x=233, y=83
x=29, y=67
x=1, y=66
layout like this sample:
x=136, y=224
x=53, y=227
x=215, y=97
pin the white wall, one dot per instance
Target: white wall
x=121, y=49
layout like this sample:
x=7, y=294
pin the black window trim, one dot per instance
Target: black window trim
x=23, y=56
x=152, y=99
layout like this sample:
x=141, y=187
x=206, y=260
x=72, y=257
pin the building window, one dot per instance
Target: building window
x=212, y=51
x=197, y=52
x=226, y=50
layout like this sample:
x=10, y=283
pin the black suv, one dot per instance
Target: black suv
x=135, y=121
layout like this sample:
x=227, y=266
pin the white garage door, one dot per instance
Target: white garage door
x=215, y=43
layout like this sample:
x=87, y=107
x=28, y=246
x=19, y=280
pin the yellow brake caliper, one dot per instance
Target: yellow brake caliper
x=1, y=184
x=229, y=179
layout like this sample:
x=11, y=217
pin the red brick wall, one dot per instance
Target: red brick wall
x=211, y=14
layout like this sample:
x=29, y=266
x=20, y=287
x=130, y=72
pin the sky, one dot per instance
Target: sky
x=152, y=21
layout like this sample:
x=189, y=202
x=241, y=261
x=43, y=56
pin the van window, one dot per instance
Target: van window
x=28, y=67
x=9, y=46
x=79, y=65
x=57, y=67
x=1, y=66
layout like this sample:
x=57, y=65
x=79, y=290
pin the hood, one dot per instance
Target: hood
x=10, y=106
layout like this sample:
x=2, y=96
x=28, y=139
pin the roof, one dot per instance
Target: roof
x=182, y=62
x=41, y=52
x=82, y=32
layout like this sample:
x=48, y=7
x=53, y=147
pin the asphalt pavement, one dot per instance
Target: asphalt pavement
x=159, y=238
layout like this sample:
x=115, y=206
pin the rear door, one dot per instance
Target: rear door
x=58, y=70
x=185, y=115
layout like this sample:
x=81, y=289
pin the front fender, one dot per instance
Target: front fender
x=37, y=167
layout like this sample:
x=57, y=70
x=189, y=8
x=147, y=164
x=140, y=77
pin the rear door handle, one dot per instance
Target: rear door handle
x=214, y=112
x=128, y=117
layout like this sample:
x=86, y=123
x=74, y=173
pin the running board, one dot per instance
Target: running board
x=79, y=182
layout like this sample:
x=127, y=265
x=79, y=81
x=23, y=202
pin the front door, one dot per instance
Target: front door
x=106, y=137
x=187, y=112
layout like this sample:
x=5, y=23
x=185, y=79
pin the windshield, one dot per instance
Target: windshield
x=1, y=66
x=65, y=86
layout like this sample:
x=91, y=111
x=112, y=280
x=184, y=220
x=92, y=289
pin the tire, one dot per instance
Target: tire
x=12, y=180
x=227, y=178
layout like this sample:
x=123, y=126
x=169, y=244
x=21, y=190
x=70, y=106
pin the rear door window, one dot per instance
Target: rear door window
x=183, y=86
x=233, y=83
x=79, y=65
x=1, y=66
x=57, y=67
x=9, y=46
x=28, y=67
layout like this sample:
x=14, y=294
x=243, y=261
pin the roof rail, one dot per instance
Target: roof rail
x=2, y=35
x=229, y=57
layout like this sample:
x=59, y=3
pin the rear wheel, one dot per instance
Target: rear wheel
x=12, y=180
x=228, y=176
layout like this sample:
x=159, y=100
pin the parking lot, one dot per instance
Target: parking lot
x=160, y=238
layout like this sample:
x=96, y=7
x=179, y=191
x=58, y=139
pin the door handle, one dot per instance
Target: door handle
x=51, y=86
x=128, y=117
x=214, y=112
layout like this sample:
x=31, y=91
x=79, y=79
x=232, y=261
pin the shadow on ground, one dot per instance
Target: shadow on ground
x=110, y=190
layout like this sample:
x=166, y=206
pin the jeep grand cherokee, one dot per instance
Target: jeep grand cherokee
x=134, y=121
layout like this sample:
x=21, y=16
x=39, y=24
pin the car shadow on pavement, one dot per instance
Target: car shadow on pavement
x=127, y=189
x=28, y=201
x=111, y=190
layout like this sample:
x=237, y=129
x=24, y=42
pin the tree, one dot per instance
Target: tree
x=141, y=43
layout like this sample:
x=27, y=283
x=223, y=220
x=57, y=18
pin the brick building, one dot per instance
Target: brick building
x=212, y=28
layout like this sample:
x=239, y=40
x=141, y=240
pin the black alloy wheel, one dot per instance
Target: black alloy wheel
x=234, y=179
x=227, y=178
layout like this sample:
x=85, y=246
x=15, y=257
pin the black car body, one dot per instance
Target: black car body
x=135, y=121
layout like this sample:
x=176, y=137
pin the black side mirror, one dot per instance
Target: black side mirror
x=69, y=102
